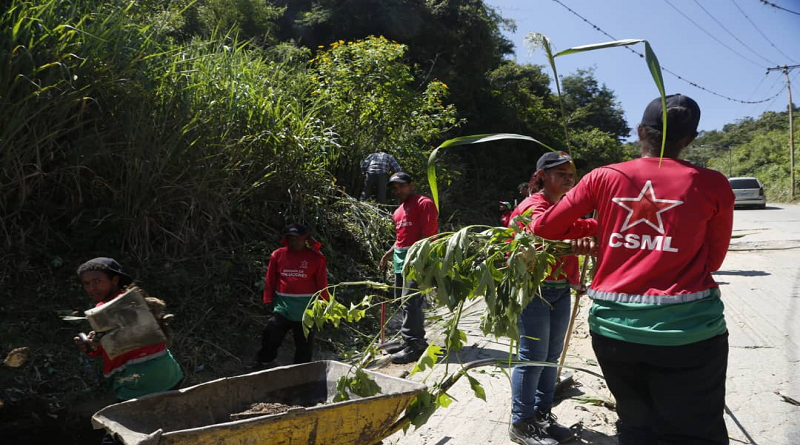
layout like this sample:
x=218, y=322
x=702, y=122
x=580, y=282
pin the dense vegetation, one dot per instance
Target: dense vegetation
x=180, y=137
x=752, y=147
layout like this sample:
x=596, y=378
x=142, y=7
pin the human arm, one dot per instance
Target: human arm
x=718, y=232
x=562, y=220
x=321, y=277
x=384, y=263
x=428, y=218
x=580, y=228
x=271, y=279
x=395, y=164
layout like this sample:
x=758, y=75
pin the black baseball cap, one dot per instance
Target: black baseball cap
x=679, y=124
x=295, y=230
x=401, y=177
x=555, y=158
x=108, y=265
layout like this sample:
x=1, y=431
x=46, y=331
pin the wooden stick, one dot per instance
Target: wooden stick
x=383, y=321
x=572, y=317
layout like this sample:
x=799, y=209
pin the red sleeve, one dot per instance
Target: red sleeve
x=98, y=352
x=321, y=277
x=718, y=233
x=562, y=221
x=578, y=229
x=429, y=218
x=271, y=280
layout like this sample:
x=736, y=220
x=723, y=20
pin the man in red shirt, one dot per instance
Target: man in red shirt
x=657, y=321
x=414, y=219
x=295, y=273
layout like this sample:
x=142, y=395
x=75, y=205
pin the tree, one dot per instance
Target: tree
x=592, y=106
x=455, y=41
x=370, y=98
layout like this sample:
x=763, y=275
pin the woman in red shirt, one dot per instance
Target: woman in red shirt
x=543, y=322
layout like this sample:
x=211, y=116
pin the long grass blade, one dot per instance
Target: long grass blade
x=652, y=64
x=469, y=140
x=596, y=46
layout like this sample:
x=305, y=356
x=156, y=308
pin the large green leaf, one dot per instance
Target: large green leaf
x=652, y=64
x=658, y=77
x=596, y=46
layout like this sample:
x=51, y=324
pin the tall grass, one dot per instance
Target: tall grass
x=184, y=161
x=169, y=149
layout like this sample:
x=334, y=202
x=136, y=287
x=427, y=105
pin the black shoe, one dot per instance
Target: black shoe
x=528, y=433
x=395, y=349
x=409, y=354
x=546, y=421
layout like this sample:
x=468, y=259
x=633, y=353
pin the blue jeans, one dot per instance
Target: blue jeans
x=533, y=387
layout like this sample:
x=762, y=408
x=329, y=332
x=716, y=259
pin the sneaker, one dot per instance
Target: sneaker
x=407, y=355
x=528, y=433
x=548, y=423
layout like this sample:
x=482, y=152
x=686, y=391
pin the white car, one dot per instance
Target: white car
x=748, y=191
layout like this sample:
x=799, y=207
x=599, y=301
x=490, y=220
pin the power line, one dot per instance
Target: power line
x=755, y=90
x=775, y=97
x=712, y=35
x=663, y=68
x=732, y=34
x=760, y=32
x=779, y=7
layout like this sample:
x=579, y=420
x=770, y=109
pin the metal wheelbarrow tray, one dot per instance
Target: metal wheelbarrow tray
x=201, y=414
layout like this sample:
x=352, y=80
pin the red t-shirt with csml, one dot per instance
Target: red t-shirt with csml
x=565, y=267
x=415, y=219
x=662, y=229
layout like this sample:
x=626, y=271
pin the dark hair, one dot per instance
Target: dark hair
x=678, y=129
x=535, y=184
x=91, y=266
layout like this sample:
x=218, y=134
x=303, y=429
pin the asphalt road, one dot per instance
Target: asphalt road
x=760, y=283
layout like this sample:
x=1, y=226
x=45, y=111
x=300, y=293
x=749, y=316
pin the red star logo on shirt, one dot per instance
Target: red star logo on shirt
x=645, y=208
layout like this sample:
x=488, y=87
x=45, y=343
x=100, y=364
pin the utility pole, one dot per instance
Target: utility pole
x=785, y=70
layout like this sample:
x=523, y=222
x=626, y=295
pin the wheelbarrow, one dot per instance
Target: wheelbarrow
x=202, y=414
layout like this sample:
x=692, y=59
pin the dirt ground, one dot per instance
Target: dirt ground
x=469, y=420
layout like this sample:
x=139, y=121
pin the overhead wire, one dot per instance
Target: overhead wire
x=778, y=7
x=712, y=36
x=761, y=32
x=732, y=34
x=739, y=110
x=774, y=98
x=663, y=68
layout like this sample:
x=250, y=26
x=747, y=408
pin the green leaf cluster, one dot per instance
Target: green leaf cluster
x=756, y=147
x=505, y=266
x=360, y=384
x=370, y=97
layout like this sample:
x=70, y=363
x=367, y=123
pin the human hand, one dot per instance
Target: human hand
x=86, y=342
x=384, y=263
x=584, y=246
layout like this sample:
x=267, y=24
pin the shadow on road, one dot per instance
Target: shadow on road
x=742, y=273
x=756, y=208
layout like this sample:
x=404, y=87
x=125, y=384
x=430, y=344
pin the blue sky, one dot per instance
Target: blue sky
x=727, y=66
